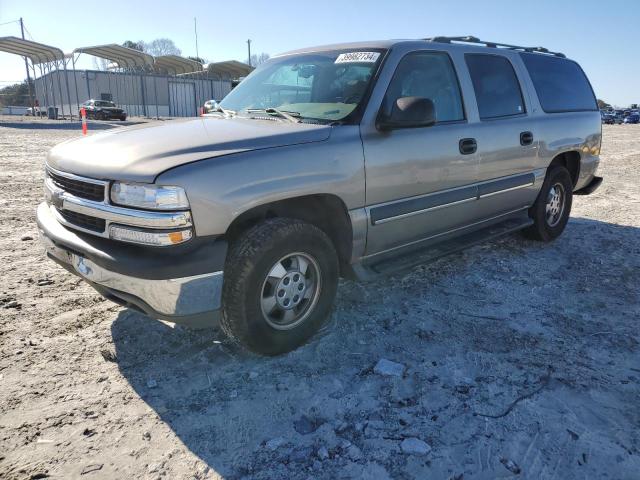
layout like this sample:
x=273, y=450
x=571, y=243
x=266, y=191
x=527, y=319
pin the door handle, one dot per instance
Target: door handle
x=526, y=138
x=468, y=146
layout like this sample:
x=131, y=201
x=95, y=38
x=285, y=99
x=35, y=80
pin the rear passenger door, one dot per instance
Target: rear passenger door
x=506, y=136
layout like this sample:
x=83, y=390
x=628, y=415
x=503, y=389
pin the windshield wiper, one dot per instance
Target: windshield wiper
x=224, y=111
x=293, y=117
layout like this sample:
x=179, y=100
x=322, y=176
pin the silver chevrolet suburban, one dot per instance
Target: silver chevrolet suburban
x=349, y=160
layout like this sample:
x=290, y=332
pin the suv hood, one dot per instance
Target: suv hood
x=141, y=153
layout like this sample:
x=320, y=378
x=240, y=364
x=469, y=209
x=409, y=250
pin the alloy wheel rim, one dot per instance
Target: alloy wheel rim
x=290, y=291
x=555, y=204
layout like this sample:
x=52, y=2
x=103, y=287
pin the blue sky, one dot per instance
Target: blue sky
x=603, y=36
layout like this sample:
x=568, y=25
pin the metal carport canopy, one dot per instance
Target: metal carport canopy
x=176, y=64
x=36, y=52
x=233, y=68
x=123, y=56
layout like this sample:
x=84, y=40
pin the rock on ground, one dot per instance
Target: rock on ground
x=389, y=368
x=415, y=446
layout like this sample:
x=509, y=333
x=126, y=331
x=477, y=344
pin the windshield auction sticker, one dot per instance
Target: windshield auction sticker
x=358, y=57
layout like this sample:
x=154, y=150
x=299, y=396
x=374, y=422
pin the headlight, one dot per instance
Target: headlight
x=152, y=197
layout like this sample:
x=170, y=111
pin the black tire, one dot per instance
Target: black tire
x=249, y=261
x=544, y=229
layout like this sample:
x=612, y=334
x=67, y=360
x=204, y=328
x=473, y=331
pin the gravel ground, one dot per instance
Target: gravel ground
x=516, y=359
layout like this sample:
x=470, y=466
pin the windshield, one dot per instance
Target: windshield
x=324, y=86
x=102, y=103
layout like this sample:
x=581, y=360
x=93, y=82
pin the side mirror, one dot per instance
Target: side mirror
x=408, y=112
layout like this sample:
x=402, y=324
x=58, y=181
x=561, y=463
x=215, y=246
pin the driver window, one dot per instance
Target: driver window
x=429, y=75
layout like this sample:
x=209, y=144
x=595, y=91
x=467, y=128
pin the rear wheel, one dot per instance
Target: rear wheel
x=280, y=281
x=550, y=212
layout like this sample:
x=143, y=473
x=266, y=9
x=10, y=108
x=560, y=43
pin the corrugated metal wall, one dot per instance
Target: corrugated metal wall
x=140, y=94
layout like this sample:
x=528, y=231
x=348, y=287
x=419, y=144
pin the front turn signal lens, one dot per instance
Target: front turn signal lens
x=149, y=237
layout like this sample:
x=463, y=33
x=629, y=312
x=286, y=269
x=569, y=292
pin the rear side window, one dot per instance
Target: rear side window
x=561, y=84
x=496, y=86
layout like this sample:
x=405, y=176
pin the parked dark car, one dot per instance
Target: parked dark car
x=608, y=118
x=632, y=118
x=103, y=110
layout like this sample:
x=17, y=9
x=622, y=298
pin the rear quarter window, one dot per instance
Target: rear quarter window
x=561, y=84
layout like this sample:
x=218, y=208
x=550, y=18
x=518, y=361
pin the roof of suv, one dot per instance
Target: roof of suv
x=467, y=43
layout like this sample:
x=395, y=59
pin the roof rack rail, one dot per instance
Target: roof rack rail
x=477, y=41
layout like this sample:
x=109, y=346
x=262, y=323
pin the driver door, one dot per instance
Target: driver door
x=417, y=179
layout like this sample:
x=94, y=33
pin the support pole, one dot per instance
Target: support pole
x=53, y=87
x=44, y=87
x=26, y=66
x=66, y=81
x=155, y=92
x=75, y=81
x=86, y=77
x=143, y=80
x=60, y=88
x=115, y=99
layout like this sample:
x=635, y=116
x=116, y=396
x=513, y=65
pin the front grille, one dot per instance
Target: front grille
x=78, y=188
x=83, y=221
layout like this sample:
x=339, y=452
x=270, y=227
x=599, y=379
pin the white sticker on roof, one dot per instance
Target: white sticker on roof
x=358, y=57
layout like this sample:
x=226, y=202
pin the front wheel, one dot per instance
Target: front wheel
x=550, y=212
x=281, y=278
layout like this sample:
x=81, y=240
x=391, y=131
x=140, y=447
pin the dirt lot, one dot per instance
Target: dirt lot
x=521, y=359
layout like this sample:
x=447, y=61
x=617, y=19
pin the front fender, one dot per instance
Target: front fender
x=222, y=188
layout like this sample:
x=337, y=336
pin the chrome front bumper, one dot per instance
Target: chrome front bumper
x=194, y=300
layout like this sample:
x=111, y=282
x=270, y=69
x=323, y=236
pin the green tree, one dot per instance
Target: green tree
x=15, y=95
x=139, y=45
x=602, y=105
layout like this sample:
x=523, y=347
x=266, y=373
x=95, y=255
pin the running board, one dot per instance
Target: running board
x=369, y=270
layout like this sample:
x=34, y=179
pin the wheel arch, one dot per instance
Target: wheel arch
x=328, y=212
x=571, y=161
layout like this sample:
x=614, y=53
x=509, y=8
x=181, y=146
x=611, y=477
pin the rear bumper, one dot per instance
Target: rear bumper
x=184, y=288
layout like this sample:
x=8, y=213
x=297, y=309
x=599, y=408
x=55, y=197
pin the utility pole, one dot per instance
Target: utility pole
x=195, y=29
x=26, y=66
x=249, y=48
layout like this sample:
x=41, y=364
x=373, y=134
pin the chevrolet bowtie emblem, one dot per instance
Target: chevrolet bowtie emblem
x=56, y=200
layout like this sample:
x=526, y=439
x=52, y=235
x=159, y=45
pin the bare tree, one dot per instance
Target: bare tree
x=100, y=63
x=257, y=59
x=161, y=46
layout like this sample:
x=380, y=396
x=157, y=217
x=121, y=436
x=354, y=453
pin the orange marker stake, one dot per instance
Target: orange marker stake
x=83, y=114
